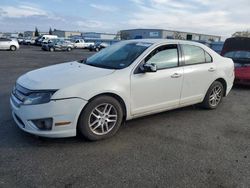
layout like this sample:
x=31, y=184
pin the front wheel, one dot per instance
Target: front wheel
x=101, y=118
x=213, y=96
x=69, y=49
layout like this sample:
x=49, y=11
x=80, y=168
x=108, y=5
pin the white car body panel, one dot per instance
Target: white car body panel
x=147, y=84
x=36, y=80
x=142, y=94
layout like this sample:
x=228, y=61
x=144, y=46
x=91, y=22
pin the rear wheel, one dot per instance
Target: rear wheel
x=12, y=48
x=69, y=49
x=97, y=49
x=101, y=118
x=213, y=96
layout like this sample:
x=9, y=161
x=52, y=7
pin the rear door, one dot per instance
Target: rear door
x=199, y=73
x=58, y=45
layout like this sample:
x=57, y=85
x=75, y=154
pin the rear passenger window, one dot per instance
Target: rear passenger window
x=195, y=55
x=208, y=58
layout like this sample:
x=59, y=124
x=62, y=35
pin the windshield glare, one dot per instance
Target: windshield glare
x=238, y=54
x=118, y=56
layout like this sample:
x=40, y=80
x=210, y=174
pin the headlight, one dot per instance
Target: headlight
x=38, y=97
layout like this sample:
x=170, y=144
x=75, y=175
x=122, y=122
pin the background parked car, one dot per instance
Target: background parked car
x=8, y=44
x=39, y=41
x=20, y=40
x=81, y=43
x=98, y=46
x=238, y=49
x=217, y=46
x=57, y=44
x=29, y=41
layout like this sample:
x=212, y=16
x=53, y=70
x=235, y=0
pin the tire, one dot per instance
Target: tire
x=12, y=48
x=97, y=49
x=213, y=96
x=69, y=49
x=94, y=122
x=51, y=49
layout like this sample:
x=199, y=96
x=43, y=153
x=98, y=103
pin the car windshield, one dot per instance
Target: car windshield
x=238, y=55
x=118, y=56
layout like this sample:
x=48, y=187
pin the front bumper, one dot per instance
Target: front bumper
x=67, y=110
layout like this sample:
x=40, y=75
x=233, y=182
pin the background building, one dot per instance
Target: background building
x=32, y=33
x=9, y=35
x=66, y=34
x=166, y=34
x=105, y=36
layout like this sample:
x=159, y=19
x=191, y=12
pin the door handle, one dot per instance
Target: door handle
x=211, y=69
x=176, y=75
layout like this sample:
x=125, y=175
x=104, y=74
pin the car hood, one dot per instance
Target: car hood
x=61, y=76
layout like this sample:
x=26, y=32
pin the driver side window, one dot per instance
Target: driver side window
x=164, y=57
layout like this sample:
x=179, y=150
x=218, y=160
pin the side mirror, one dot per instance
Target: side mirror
x=149, y=67
x=82, y=60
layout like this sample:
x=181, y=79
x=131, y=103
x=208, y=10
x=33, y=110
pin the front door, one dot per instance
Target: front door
x=157, y=91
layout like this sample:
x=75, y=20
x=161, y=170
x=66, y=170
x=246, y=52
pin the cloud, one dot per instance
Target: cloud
x=211, y=17
x=105, y=8
x=219, y=17
x=89, y=24
x=137, y=1
x=21, y=11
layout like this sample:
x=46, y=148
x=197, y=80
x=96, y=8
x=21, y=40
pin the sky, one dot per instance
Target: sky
x=220, y=17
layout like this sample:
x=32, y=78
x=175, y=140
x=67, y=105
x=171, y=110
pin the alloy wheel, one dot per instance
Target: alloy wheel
x=103, y=119
x=215, y=96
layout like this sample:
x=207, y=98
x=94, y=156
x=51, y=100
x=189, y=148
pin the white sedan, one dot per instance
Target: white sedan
x=8, y=44
x=127, y=80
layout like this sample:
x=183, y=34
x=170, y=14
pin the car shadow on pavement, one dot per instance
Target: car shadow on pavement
x=241, y=87
x=13, y=137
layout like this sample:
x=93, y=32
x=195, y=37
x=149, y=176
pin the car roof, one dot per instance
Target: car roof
x=156, y=42
x=160, y=41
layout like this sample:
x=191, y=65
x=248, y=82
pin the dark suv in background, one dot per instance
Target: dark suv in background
x=238, y=49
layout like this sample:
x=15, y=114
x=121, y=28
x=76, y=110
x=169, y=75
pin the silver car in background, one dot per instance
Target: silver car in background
x=8, y=44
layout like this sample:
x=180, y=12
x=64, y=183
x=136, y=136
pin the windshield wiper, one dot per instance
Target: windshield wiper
x=82, y=60
x=100, y=66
